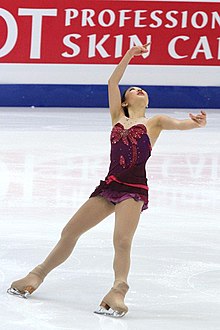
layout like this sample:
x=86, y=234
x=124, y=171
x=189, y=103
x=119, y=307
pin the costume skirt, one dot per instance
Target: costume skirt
x=117, y=192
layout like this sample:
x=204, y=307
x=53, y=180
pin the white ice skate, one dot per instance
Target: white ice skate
x=113, y=303
x=109, y=312
x=27, y=285
x=16, y=292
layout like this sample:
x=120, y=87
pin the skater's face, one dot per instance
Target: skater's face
x=134, y=96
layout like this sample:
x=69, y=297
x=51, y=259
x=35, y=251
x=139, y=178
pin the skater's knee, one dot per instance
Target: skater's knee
x=67, y=233
x=123, y=243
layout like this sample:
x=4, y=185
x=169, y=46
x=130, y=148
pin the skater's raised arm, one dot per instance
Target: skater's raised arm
x=113, y=89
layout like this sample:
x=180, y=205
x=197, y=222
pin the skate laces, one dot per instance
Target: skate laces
x=38, y=271
x=120, y=287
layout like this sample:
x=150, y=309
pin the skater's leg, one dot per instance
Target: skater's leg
x=90, y=214
x=127, y=214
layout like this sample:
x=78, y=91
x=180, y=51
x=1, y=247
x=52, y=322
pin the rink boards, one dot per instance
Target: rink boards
x=62, y=54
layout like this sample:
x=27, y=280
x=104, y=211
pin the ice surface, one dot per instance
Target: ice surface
x=50, y=162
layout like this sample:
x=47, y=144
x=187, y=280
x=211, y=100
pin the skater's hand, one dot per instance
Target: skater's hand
x=139, y=50
x=199, y=119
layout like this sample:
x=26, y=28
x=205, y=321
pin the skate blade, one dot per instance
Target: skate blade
x=108, y=312
x=16, y=292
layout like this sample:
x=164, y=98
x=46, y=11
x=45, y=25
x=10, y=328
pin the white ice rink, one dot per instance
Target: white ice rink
x=50, y=162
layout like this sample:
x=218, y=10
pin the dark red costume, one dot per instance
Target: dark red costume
x=130, y=150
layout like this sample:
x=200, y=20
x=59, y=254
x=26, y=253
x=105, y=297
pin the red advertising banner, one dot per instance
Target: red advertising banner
x=99, y=32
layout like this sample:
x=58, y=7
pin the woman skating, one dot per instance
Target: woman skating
x=124, y=190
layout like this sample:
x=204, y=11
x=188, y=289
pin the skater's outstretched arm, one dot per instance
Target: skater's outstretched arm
x=195, y=121
x=162, y=122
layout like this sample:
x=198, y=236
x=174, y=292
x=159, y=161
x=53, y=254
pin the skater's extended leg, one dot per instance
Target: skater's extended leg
x=127, y=214
x=90, y=214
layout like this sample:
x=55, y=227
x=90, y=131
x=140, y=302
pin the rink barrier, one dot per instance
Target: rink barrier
x=96, y=96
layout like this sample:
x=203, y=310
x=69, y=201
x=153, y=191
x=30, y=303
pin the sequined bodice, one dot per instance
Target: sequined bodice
x=130, y=150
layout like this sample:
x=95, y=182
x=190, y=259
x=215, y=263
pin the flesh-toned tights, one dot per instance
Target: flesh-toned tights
x=92, y=212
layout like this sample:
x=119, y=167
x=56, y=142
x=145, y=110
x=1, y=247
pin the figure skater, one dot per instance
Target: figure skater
x=124, y=190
